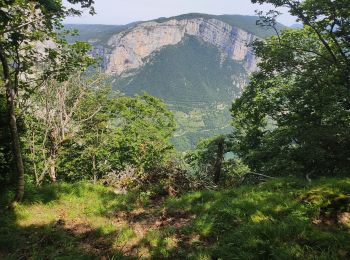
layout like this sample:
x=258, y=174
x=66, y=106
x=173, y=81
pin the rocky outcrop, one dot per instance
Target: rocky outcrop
x=131, y=48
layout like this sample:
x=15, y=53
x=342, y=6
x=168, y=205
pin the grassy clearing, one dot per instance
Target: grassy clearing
x=282, y=219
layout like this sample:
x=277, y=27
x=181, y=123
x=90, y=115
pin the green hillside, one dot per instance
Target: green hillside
x=97, y=34
x=190, y=71
x=197, y=84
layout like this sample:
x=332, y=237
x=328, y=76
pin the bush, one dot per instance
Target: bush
x=122, y=180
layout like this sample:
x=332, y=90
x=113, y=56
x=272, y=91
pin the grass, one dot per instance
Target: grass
x=285, y=218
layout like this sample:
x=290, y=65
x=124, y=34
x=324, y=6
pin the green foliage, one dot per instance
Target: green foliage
x=203, y=162
x=198, y=121
x=29, y=37
x=144, y=127
x=202, y=159
x=233, y=170
x=31, y=52
x=293, y=116
x=83, y=130
x=7, y=173
x=284, y=218
x=89, y=153
x=5, y=145
x=87, y=32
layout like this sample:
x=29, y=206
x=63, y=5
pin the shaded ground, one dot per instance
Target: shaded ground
x=282, y=219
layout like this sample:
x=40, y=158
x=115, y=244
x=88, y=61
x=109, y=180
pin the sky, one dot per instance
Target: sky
x=127, y=11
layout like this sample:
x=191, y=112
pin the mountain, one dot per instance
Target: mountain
x=197, y=63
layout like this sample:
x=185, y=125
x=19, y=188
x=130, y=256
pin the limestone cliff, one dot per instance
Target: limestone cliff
x=131, y=49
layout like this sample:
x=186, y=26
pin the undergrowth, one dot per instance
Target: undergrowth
x=284, y=218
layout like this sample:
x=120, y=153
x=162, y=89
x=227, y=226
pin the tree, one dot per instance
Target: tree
x=89, y=152
x=5, y=145
x=144, y=126
x=27, y=30
x=329, y=23
x=81, y=129
x=57, y=115
x=127, y=133
x=208, y=158
x=88, y=155
x=293, y=116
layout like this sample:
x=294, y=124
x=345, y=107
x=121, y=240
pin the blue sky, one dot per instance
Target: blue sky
x=126, y=11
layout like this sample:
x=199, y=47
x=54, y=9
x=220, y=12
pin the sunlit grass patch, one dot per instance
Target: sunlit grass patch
x=285, y=218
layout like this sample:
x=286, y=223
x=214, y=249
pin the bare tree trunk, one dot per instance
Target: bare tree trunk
x=94, y=168
x=53, y=150
x=12, y=121
x=52, y=164
x=52, y=171
x=307, y=177
x=219, y=159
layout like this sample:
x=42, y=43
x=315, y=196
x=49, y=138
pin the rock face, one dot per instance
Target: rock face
x=132, y=48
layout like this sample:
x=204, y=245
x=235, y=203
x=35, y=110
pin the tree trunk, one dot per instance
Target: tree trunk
x=12, y=121
x=52, y=171
x=94, y=168
x=53, y=149
x=52, y=165
x=219, y=159
x=16, y=147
